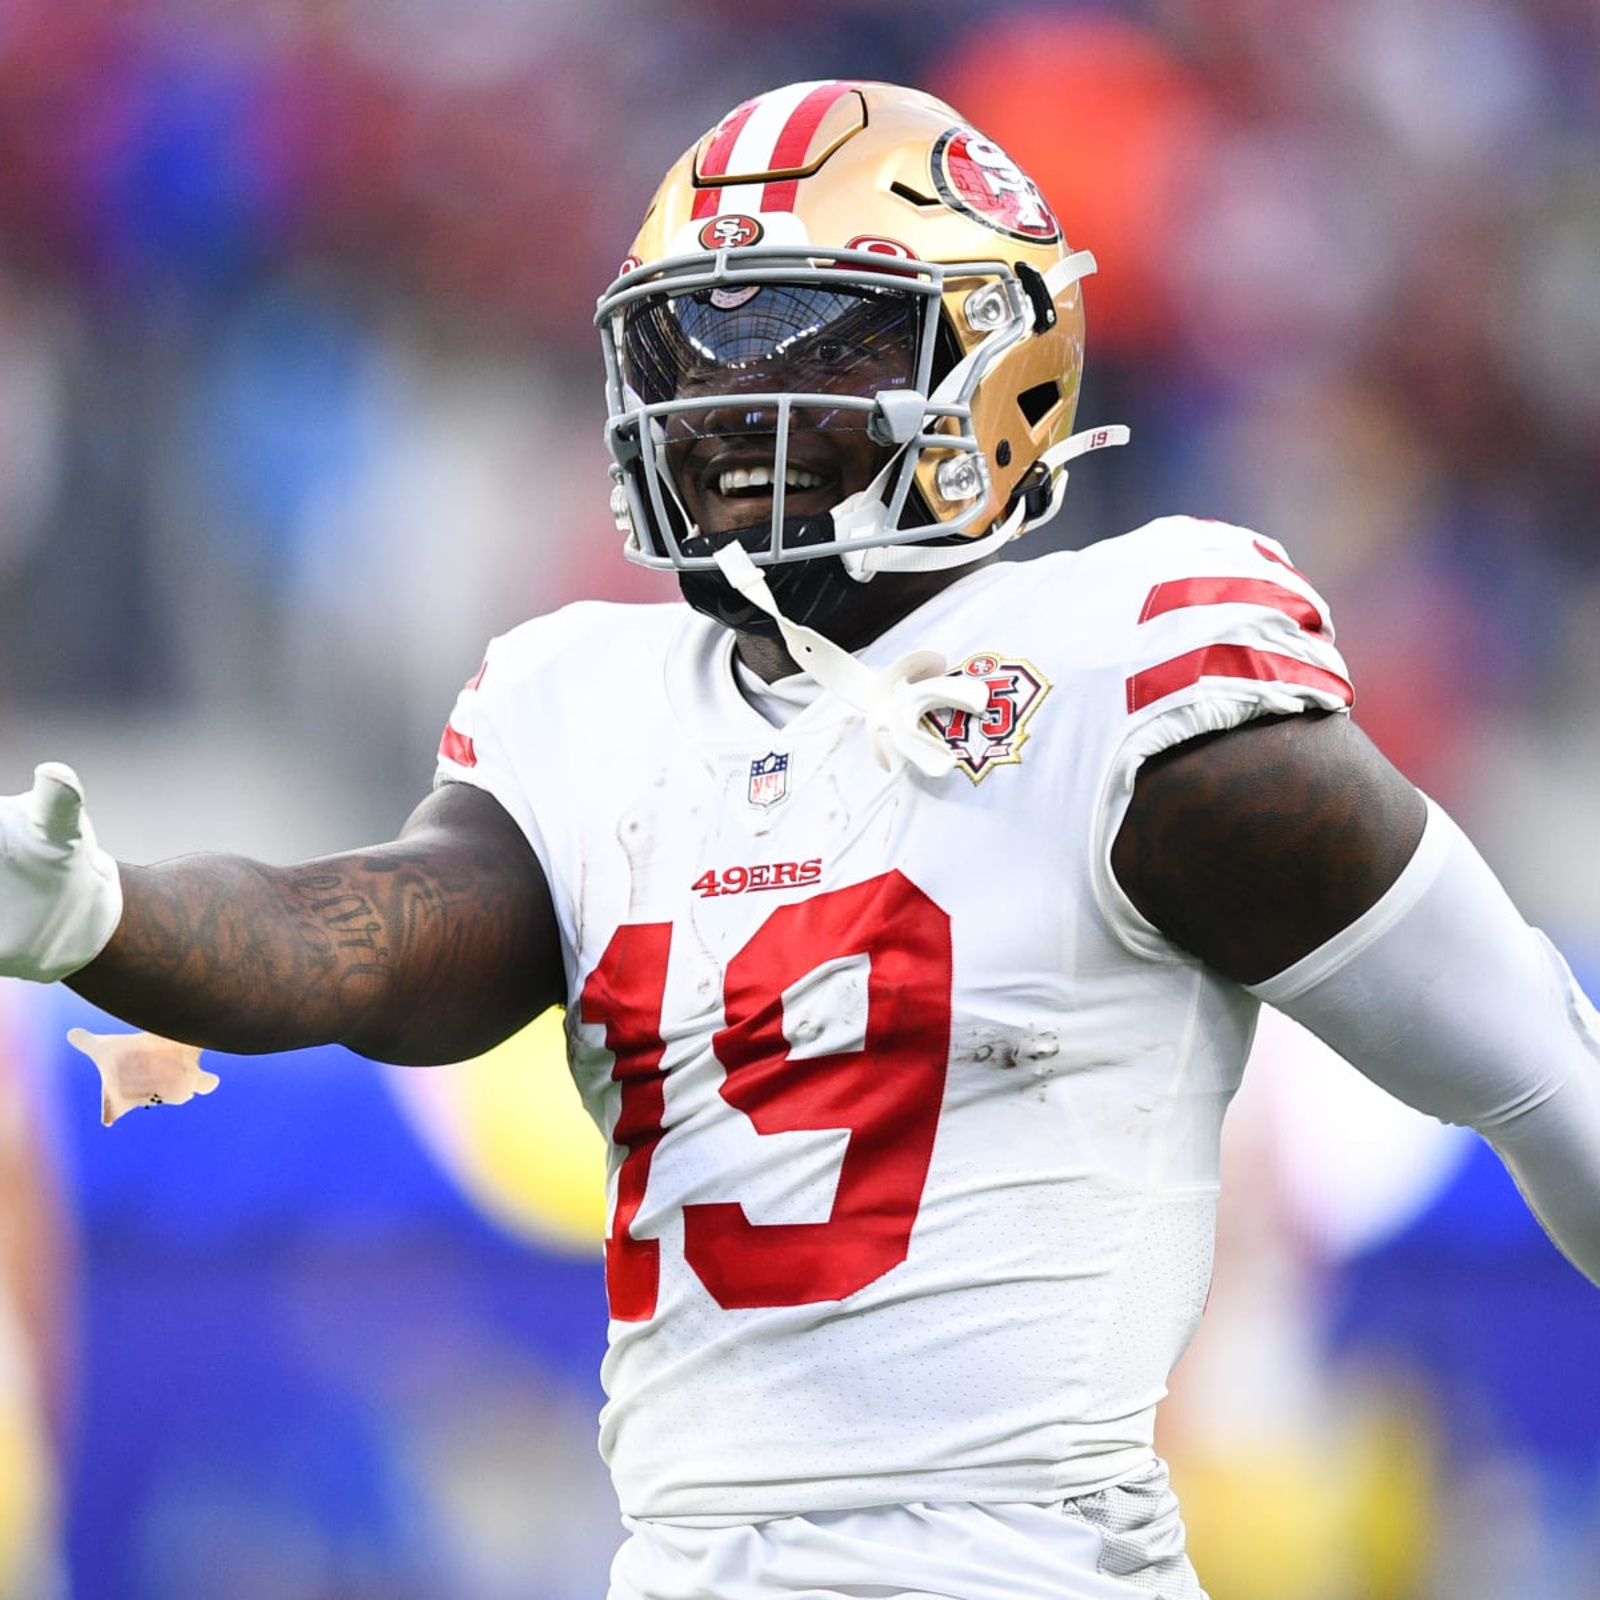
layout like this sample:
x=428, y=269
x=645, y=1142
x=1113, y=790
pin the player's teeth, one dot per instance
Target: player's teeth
x=739, y=478
x=736, y=480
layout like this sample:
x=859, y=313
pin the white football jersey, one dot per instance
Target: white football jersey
x=914, y=1120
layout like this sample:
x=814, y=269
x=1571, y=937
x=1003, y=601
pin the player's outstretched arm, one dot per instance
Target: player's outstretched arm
x=1291, y=856
x=424, y=950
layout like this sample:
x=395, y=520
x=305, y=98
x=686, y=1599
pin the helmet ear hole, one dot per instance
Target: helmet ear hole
x=1038, y=402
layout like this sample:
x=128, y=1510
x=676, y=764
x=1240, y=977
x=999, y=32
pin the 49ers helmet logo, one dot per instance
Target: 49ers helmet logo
x=730, y=232
x=977, y=178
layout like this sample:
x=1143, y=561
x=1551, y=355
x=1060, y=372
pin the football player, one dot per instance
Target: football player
x=911, y=909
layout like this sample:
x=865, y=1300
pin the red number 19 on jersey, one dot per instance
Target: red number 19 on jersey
x=886, y=1094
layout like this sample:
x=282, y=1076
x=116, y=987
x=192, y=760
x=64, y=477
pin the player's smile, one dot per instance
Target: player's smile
x=730, y=482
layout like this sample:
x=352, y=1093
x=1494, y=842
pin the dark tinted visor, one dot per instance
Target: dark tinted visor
x=770, y=337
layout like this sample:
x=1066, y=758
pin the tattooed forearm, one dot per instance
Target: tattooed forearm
x=349, y=914
x=1253, y=847
x=427, y=949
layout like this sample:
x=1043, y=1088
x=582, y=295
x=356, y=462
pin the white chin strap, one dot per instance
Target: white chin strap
x=893, y=702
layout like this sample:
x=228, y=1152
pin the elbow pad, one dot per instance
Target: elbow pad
x=1444, y=996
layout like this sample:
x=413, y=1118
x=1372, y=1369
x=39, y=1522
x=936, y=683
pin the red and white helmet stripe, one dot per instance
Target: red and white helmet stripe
x=770, y=134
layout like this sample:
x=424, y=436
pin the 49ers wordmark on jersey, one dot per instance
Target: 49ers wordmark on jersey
x=993, y=737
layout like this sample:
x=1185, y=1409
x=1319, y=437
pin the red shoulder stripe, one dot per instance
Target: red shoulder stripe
x=1177, y=593
x=457, y=747
x=1263, y=549
x=1230, y=661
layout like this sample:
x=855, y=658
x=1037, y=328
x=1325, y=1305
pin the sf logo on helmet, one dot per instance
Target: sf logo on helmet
x=977, y=178
x=729, y=233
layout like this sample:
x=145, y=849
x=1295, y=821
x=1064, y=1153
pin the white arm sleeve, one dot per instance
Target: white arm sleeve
x=1445, y=997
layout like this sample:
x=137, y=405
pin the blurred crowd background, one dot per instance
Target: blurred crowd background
x=300, y=401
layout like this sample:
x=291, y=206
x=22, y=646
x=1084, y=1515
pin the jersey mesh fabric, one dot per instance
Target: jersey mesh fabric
x=1142, y=1536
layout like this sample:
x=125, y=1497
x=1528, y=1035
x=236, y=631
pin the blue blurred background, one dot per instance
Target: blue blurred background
x=300, y=402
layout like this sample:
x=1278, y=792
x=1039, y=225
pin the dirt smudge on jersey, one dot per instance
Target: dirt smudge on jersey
x=1008, y=1048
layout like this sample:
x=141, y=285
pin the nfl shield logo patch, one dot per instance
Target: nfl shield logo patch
x=769, y=779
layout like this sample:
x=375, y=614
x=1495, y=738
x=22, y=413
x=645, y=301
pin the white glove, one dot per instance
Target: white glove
x=60, y=893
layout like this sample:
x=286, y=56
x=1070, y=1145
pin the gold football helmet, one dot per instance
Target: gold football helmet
x=842, y=269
